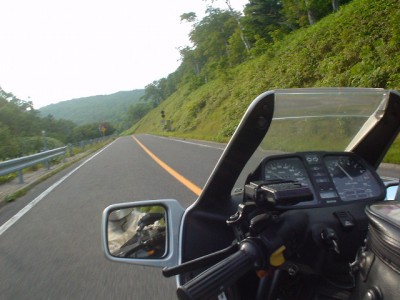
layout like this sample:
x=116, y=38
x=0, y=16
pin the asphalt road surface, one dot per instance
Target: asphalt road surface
x=54, y=250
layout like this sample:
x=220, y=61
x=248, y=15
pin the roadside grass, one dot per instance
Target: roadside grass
x=393, y=155
x=8, y=178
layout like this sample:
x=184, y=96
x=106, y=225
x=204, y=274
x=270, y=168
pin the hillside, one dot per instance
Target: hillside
x=358, y=46
x=103, y=108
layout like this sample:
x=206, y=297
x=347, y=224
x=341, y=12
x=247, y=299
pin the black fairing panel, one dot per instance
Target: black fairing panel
x=382, y=135
x=205, y=230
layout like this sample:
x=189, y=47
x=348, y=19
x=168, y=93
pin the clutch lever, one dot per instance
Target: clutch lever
x=200, y=262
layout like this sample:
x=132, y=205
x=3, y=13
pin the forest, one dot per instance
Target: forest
x=72, y=121
x=225, y=38
x=22, y=129
x=96, y=109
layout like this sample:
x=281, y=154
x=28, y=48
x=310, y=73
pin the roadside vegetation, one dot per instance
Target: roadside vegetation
x=23, y=131
x=356, y=46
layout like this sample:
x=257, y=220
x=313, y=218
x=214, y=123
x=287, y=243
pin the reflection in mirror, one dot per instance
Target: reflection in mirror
x=137, y=232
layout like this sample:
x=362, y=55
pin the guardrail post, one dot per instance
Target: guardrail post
x=47, y=164
x=71, y=153
x=21, y=177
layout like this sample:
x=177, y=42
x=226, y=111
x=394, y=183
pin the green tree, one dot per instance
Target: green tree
x=9, y=147
x=58, y=128
x=21, y=127
x=91, y=131
x=307, y=12
x=237, y=52
x=86, y=132
x=191, y=61
x=210, y=38
x=137, y=111
x=153, y=93
x=261, y=17
x=188, y=17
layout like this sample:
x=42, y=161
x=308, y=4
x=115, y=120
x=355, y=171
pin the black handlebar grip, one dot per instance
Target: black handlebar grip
x=215, y=279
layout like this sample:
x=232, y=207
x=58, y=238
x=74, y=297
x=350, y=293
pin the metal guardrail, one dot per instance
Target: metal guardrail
x=18, y=164
x=91, y=142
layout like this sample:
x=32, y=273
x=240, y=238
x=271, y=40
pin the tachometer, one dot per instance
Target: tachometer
x=352, y=179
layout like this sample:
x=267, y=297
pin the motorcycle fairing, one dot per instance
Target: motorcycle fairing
x=204, y=229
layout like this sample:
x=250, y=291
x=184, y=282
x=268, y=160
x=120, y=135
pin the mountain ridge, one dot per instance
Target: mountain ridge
x=93, y=109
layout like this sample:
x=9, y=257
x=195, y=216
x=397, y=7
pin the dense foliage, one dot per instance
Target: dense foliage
x=356, y=46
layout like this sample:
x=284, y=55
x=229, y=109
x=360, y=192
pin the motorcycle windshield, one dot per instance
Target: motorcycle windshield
x=318, y=120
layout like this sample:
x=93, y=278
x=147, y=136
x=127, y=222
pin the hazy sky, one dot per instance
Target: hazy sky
x=54, y=50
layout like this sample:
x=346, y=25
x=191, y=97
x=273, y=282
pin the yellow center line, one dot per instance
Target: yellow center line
x=187, y=183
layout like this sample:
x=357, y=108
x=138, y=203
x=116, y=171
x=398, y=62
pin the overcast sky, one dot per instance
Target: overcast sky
x=54, y=50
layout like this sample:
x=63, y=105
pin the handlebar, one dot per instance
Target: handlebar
x=255, y=252
x=223, y=274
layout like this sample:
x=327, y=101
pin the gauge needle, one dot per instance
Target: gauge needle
x=344, y=171
x=275, y=174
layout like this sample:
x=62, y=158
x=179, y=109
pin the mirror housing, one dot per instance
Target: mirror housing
x=126, y=228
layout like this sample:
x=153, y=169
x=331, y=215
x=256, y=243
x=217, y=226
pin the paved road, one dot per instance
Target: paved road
x=54, y=250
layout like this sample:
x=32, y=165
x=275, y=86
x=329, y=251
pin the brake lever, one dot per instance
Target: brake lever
x=200, y=262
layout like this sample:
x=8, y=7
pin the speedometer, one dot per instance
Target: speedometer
x=286, y=169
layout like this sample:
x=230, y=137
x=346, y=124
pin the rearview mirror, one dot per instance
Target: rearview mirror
x=137, y=232
x=143, y=232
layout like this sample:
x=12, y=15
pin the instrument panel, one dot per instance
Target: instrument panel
x=333, y=177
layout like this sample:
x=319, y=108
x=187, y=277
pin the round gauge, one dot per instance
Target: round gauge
x=352, y=179
x=344, y=166
x=286, y=169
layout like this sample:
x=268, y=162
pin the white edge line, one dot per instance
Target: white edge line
x=35, y=201
x=191, y=143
